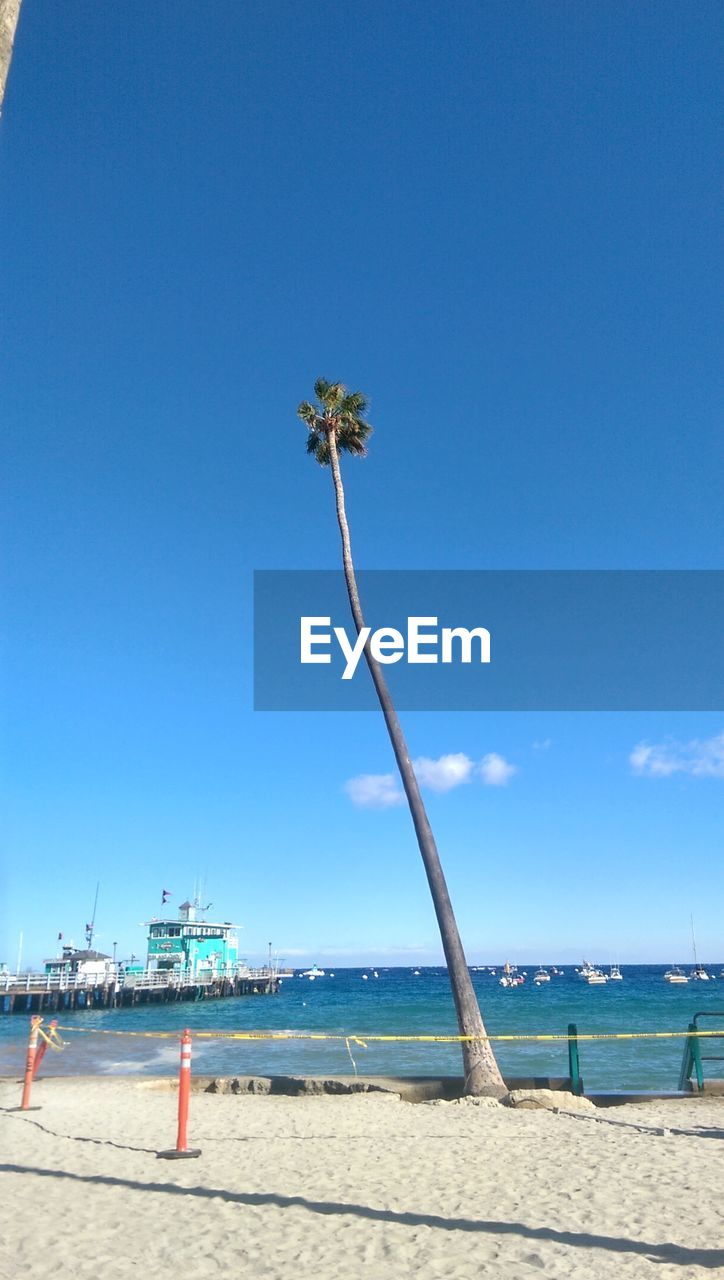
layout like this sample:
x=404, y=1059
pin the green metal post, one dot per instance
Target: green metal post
x=692, y=1061
x=574, y=1067
x=686, y=1064
x=696, y=1057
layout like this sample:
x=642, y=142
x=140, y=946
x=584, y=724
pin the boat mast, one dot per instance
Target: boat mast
x=90, y=928
x=693, y=941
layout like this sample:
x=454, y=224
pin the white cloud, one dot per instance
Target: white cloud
x=495, y=770
x=544, y=744
x=375, y=791
x=444, y=773
x=699, y=758
x=383, y=790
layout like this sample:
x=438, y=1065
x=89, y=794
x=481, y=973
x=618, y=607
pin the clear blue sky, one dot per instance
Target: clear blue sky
x=499, y=221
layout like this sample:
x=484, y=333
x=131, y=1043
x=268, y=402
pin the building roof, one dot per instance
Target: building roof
x=78, y=955
x=191, y=924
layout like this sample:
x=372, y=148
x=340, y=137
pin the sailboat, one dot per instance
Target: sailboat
x=698, y=973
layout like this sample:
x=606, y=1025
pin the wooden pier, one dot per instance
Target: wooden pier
x=40, y=993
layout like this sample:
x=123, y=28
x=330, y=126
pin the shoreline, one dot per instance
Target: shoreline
x=412, y=1089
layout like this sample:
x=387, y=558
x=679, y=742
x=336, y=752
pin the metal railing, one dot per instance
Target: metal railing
x=694, y=1059
x=125, y=979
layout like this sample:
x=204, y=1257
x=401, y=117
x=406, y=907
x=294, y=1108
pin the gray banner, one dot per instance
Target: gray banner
x=564, y=640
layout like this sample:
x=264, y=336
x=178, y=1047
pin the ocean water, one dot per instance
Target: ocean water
x=398, y=1002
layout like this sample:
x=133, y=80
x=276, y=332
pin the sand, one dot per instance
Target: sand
x=354, y=1186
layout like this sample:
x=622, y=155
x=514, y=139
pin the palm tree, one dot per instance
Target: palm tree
x=337, y=424
x=9, y=12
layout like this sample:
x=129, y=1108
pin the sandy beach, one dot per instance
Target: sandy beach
x=325, y=1187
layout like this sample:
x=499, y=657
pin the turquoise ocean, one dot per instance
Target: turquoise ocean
x=397, y=1002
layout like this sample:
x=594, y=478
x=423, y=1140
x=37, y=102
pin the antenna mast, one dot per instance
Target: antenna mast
x=90, y=928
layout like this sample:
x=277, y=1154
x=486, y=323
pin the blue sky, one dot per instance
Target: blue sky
x=497, y=220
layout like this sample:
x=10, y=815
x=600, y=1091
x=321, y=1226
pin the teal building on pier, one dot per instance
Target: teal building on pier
x=193, y=945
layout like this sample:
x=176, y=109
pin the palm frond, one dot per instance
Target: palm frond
x=354, y=425
x=355, y=404
x=307, y=413
x=321, y=453
x=335, y=396
x=352, y=436
x=321, y=388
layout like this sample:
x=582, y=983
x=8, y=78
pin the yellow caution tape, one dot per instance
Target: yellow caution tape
x=400, y=1039
x=51, y=1038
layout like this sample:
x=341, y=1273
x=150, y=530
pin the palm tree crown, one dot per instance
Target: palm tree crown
x=340, y=411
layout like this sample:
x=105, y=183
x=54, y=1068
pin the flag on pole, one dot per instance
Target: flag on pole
x=165, y=895
x=60, y=937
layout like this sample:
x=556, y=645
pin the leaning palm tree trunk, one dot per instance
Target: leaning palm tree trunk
x=482, y=1075
x=9, y=11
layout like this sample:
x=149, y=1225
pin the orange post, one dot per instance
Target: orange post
x=182, y=1150
x=30, y=1066
x=184, y=1091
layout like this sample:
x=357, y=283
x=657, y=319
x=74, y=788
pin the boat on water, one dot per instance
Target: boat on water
x=698, y=973
x=511, y=977
x=615, y=974
x=540, y=976
x=594, y=976
x=676, y=976
x=314, y=972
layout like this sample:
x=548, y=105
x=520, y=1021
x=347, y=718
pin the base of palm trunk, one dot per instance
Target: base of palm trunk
x=482, y=1073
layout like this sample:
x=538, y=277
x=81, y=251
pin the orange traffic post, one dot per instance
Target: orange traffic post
x=30, y=1065
x=182, y=1150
